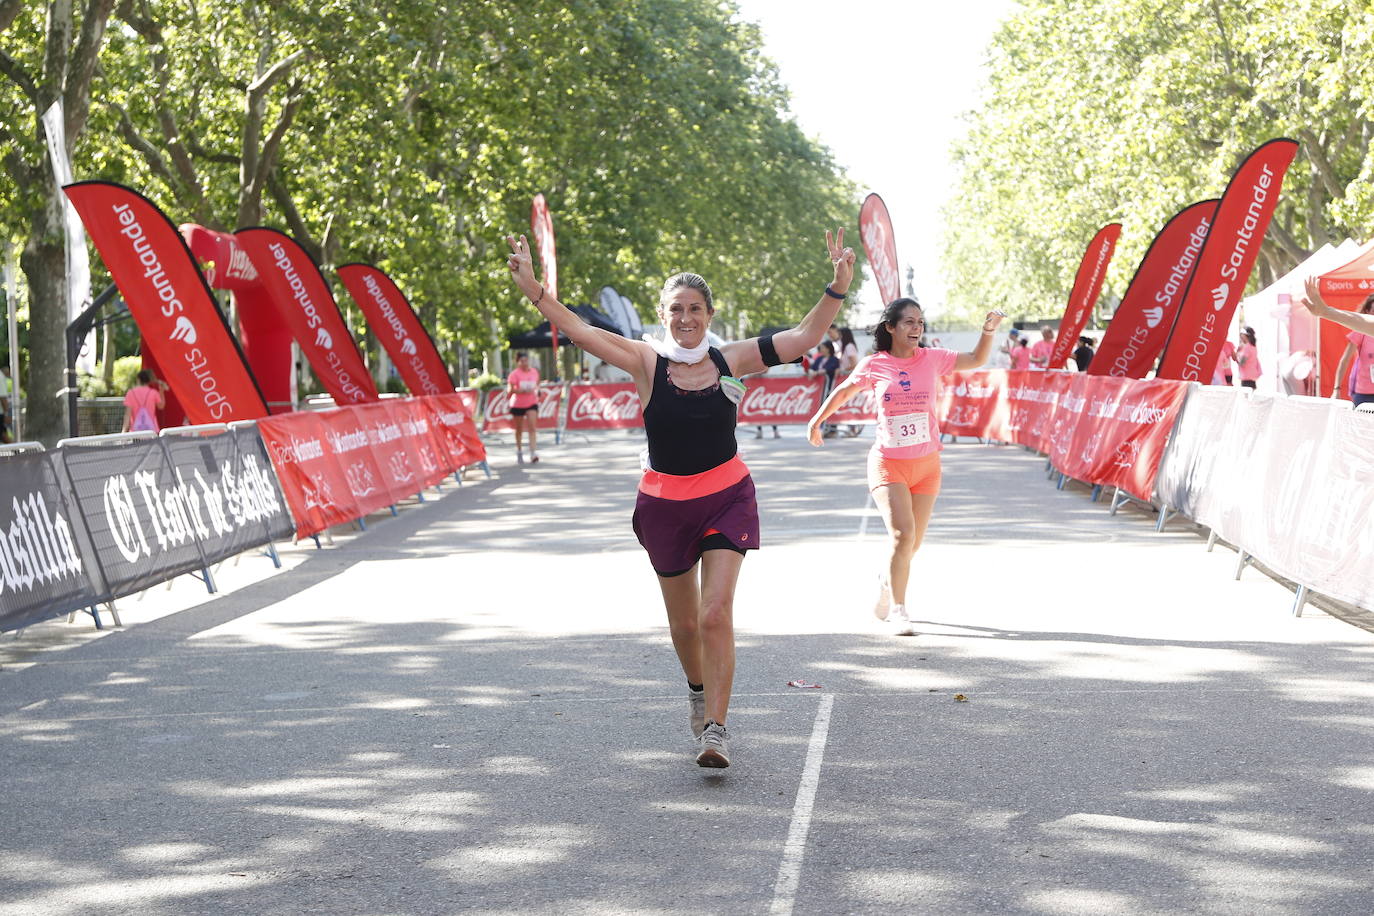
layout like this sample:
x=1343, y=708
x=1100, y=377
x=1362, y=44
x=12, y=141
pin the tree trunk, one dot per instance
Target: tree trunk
x=44, y=262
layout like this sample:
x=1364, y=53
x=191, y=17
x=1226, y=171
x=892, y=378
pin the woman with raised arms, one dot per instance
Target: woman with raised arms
x=695, y=514
x=904, y=463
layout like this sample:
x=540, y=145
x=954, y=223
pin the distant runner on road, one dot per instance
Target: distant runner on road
x=904, y=463
x=696, y=513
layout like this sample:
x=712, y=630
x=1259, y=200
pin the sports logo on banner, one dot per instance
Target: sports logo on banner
x=880, y=246
x=1087, y=284
x=42, y=573
x=349, y=435
x=497, y=415
x=312, y=479
x=398, y=328
x=775, y=401
x=181, y=325
x=975, y=404
x=451, y=420
x=1141, y=325
x=1224, y=266
x=607, y=406
x=297, y=289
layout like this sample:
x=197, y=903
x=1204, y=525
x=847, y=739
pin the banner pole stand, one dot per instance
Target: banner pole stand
x=392, y=507
x=1211, y=539
x=316, y=539
x=1116, y=499
x=1164, y=516
x=1299, y=600
x=271, y=551
x=1244, y=562
x=1097, y=491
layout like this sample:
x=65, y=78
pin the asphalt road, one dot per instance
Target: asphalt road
x=474, y=708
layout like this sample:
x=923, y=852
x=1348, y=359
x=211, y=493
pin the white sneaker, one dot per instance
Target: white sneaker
x=899, y=622
x=884, y=601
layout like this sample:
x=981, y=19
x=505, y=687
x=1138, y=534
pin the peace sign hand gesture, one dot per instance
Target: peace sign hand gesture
x=843, y=259
x=993, y=320
x=521, y=266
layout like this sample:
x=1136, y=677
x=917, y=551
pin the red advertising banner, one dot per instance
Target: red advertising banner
x=396, y=325
x=297, y=289
x=349, y=433
x=497, y=416
x=431, y=453
x=1224, y=266
x=312, y=479
x=174, y=309
x=603, y=406
x=880, y=246
x=1087, y=285
x=470, y=397
x=541, y=227
x=1141, y=325
x=453, y=423
x=975, y=403
x=862, y=408
x=777, y=401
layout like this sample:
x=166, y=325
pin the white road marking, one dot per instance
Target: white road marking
x=789, y=872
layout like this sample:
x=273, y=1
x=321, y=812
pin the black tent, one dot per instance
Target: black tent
x=541, y=337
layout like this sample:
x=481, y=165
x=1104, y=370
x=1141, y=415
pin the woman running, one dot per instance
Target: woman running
x=904, y=463
x=522, y=386
x=695, y=514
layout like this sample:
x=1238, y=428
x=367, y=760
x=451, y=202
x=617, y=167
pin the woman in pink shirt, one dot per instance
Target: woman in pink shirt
x=904, y=463
x=1020, y=355
x=1247, y=357
x=522, y=386
x=1360, y=352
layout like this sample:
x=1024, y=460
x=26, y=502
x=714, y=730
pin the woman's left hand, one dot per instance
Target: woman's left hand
x=843, y=259
x=1312, y=301
x=993, y=320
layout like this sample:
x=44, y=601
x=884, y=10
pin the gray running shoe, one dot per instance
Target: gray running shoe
x=696, y=706
x=715, y=746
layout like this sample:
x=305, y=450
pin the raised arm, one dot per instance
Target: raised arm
x=980, y=353
x=838, y=398
x=1313, y=302
x=614, y=349
x=744, y=356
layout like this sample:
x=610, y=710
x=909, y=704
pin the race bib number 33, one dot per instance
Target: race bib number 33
x=905, y=430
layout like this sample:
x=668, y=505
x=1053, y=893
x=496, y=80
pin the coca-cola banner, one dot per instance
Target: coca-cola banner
x=1146, y=314
x=1087, y=284
x=1284, y=479
x=44, y=565
x=496, y=415
x=396, y=325
x=880, y=246
x=603, y=406
x=452, y=422
x=181, y=324
x=1224, y=265
x=781, y=400
x=298, y=290
x=976, y=403
x=312, y=478
x=158, y=508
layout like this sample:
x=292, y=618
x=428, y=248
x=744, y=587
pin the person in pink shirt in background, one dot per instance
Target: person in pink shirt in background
x=904, y=463
x=1248, y=359
x=1044, y=347
x=523, y=387
x=1359, y=351
x=1221, y=375
x=1020, y=355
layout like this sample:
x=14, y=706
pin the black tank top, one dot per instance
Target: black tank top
x=689, y=431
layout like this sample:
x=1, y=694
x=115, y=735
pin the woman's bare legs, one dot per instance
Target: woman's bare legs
x=532, y=423
x=906, y=516
x=701, y=619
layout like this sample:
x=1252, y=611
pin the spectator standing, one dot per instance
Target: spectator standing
x=142, y=402
x=1040, y=353
x=1248, y=358
x=1020, y=354
x=1221, y=375
x=1083, y=354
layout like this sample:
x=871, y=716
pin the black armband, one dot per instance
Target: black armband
x=768, y=351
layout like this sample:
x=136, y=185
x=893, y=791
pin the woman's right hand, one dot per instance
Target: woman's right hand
x=521, y=265
x=1312, y=301
x=813, y=432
